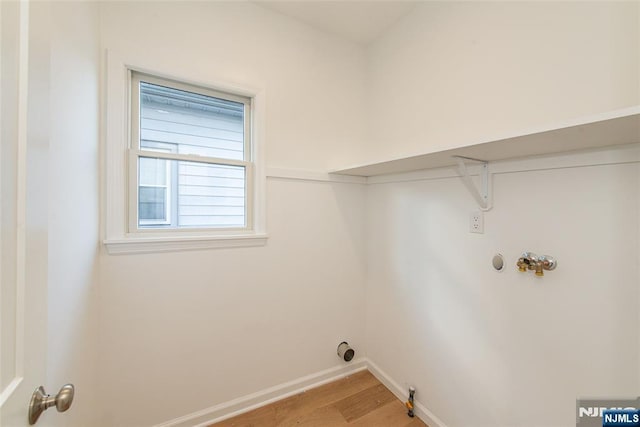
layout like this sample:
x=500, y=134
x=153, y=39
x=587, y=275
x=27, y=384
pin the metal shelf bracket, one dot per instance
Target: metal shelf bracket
x=481, y=195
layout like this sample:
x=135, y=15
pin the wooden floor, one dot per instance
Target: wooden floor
x=356, y=401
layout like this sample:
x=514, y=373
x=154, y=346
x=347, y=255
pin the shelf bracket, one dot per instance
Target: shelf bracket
x=480, y=195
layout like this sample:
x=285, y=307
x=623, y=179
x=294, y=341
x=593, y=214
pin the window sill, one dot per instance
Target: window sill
x=140, y=245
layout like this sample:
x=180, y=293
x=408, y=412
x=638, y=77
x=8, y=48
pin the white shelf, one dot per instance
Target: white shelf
x=617, y=127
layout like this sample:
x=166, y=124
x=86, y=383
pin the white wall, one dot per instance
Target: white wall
x=486, y=348
x=312, y=81
x=455, y=73
x=181, y=332
x=220, y=324
x=73, y=208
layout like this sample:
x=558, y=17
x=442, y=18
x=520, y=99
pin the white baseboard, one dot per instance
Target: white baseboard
x=419, y=409
x=306, y=175
x=256, y=400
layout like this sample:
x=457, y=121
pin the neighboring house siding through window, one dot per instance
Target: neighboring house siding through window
x=174, y=193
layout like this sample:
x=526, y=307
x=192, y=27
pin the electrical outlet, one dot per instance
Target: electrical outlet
x=476, y=222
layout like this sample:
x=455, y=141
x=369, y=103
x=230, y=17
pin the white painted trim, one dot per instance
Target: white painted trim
x=422, y=175
x=615, y=155
x=21, y=202
x=2, y=400
x=115, y=200
x=9, y=390
x=256, y=400
x=135, y=153
x=258, y=156
x=419, y=409
x=303, y=175
x=140, y=245
x=21, y=199
x=116, y=143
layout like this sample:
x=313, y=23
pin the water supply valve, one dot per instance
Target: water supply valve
x=531, y=261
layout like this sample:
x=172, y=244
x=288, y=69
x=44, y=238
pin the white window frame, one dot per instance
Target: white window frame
x=121, y=234
x=168, y=205
x=137, y=152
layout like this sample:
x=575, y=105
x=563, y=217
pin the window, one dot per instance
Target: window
x=183, y=163
x=190, y=158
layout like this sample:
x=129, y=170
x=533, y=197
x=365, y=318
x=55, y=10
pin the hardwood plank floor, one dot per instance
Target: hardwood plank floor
x=359, y=400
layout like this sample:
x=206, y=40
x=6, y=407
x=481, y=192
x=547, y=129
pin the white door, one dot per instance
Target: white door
x=23, y=217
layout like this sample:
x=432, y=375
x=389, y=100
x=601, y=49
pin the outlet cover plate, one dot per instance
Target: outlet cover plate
x=476, y=222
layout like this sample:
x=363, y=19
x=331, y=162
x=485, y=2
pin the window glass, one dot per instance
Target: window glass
x=191, y=146
x=153, y=205
x=176, y=193
x=153, y=172
x=196, y=124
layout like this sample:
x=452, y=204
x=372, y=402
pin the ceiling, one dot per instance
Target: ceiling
x=358, y=21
